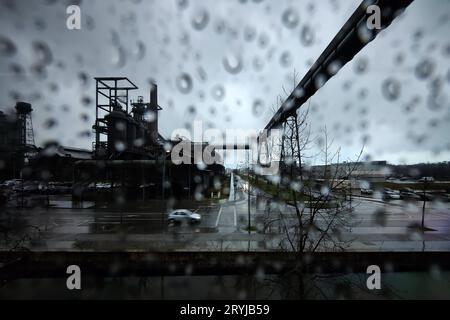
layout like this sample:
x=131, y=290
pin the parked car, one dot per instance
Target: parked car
x=181, y=215
x=389, y=194
x=410, y=196
x=444, y=197
x=426, y=196
x=406, y=190
x=426, y=179
x=366, y=191
x=10, y=183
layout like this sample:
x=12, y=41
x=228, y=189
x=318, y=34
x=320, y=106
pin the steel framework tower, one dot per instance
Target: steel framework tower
x=25, y=122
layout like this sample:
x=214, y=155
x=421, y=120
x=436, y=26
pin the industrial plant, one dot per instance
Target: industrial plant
x=129, y=159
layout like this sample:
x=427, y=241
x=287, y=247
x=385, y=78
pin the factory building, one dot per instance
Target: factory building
x=129, y=156
x=16, y=141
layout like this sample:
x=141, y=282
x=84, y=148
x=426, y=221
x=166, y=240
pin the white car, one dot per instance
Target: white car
x=366, y=191
x=391, y=195
x=181, y=215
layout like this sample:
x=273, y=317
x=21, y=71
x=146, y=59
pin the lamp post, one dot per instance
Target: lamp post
x=425, y=181
x=248, y=190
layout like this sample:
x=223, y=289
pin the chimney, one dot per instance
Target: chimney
x=154, y=95
x=153, y=124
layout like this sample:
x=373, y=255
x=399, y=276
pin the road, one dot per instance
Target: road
x=223, y=227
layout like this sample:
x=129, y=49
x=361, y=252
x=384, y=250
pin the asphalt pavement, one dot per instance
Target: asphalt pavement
x=223, y=227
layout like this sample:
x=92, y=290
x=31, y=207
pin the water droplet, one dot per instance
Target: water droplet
x=139, y=51
x=249, y=33
x=334, y=67
x=325, y=191
x=220, y=26
x=182, y=4
x=436, y=101
x=320, y=80
x=118, y=56
x=263, y=41
x=424, y=69
x=40, y=24
x=53, y=87
x=149, y=116
x=290, y=18
x=86, y=101
x=362, y=94
x=50, y=123
x=307, y=36
x=365, y=34
x=17, y=70
x=7, y=47
x=258, y=63
x=391, y=89
x=90, y=23
x=192, y=110
x=42, y=53
x=184, y=83
x=299, y=92
x=258, y=107
x=39, y=71
x=84, y=117
x=361, y=65
x=218, y=92
x=84, y=78
x=200, y=19
x=232, y=63
x=84, y=134
x=119, y=146
x=286, y=59
x=380, y=217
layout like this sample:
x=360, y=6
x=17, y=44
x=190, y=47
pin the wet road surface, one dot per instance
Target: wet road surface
x=223, y=227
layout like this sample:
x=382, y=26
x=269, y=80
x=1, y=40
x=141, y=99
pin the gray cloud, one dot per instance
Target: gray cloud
x=161, y=40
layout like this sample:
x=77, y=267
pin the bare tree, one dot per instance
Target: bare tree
x=318, y=208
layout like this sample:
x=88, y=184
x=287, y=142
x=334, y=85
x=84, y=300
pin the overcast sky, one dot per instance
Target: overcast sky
x=225, y=62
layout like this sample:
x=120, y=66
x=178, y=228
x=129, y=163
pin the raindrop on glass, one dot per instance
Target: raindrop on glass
x=290, y=18
x=42, y=53
x=232, y=63
x=424, y=69
x=391, y=89
x=263, y=41
x=218, y=92
x=258, y=107
x=139, y=51
x=200, y=19
x=7, y=47
x=334, y=67
x=182, y=4
x=118, y=56
x=258, y=63
x=307, y=36
x=50, y=123
x=249, y=33
x=184, y=83
x=192, y=110
x=286, y=59
x=361, y=65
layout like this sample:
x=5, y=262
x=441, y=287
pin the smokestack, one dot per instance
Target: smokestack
x=154, y=95
x=153, y=124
